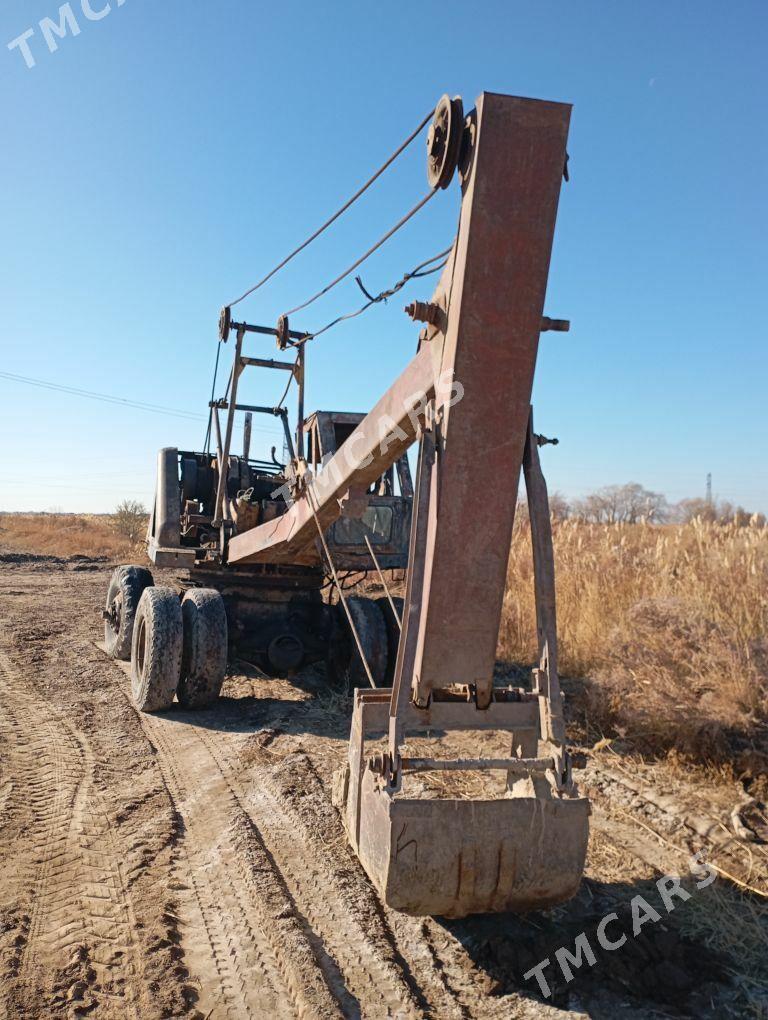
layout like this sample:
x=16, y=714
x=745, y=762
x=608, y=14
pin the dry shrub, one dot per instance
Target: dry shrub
x=67, y=535
x=736, y=927
x=668, y=625
x=675, y=679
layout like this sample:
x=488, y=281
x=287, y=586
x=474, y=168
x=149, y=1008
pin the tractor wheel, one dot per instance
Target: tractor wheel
x=343, y=662
x=204, y=647
x=393, y=630
x=125, y=589
x=156, y=649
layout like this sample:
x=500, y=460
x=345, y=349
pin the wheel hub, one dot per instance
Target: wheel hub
x=114, y=614
x=285, y=653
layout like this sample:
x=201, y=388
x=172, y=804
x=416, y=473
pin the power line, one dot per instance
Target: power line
x=104, y=397
x=138, y=405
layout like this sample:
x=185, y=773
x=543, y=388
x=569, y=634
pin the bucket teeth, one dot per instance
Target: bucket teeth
x=522, y=851
x=455, y=858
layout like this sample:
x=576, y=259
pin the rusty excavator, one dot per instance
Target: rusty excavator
x=263, y=544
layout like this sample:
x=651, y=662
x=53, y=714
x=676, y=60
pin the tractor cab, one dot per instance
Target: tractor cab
x=379, y=515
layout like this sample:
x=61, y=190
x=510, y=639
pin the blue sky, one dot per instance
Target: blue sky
x=163, y=159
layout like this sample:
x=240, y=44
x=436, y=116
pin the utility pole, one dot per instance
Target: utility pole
x=709, y=489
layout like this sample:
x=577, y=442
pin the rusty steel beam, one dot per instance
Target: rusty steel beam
x=519, y=766
x=490, y=300
x=377, y=443
x=492, y=293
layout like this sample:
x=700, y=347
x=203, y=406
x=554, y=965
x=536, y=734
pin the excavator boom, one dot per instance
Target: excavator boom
x=467, y=396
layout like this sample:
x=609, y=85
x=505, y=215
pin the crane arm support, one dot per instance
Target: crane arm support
x=377, y=443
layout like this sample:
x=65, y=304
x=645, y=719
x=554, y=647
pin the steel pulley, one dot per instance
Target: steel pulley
x=283, y=338
x=225, y=323
x=444, y=141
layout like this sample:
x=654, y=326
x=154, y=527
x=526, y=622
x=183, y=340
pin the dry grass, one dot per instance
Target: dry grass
x=667, y=625
x=67, y=535
x=736, y=926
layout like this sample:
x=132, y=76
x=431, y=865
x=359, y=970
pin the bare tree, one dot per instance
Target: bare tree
x=559, y=507
x=715, y=511
x=131, y=519
x=689, y=509
x=629, y=503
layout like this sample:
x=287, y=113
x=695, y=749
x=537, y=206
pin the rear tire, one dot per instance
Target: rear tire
x=156, y=649
x=393, y=631
x=204, y=647
x=126, y=587
x=343, y=663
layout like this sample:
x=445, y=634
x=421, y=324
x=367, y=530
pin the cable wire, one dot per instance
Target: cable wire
x=138, y=405
x=414, y=274
x=336, y=215
x=106, y=398
x=339, y=585
x=281, y=401
x=206, y=445
x=342, y=276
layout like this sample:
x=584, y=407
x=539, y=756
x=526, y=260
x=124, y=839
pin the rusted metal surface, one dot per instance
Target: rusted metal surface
x=547, y=679
x=494, y=287
x=456, y=856
x=556, y=325
x=225, y=323
x=248, y=424
x=299, y=376
x=282, y=332
x=466, y=397
x=286, y=366
x=406, y=651
x=220, y=511
x=424, y=311
x=217, y=434
x=356, y=465
x=527, y=849
x=444, y=141
x=541, y=539
x=520, y=766
x=519, y=714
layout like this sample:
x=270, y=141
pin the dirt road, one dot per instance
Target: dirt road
x=191, y=864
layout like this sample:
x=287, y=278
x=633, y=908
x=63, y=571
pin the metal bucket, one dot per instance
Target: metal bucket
x=458, y=857
x=455, y=857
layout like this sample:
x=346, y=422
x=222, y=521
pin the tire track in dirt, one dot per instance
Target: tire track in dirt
x=408, y=942
x=343, y=912
x=80, y=920
x=241, y=936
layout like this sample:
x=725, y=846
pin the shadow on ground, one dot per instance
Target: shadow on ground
x=658, y=966
x=311, y=707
